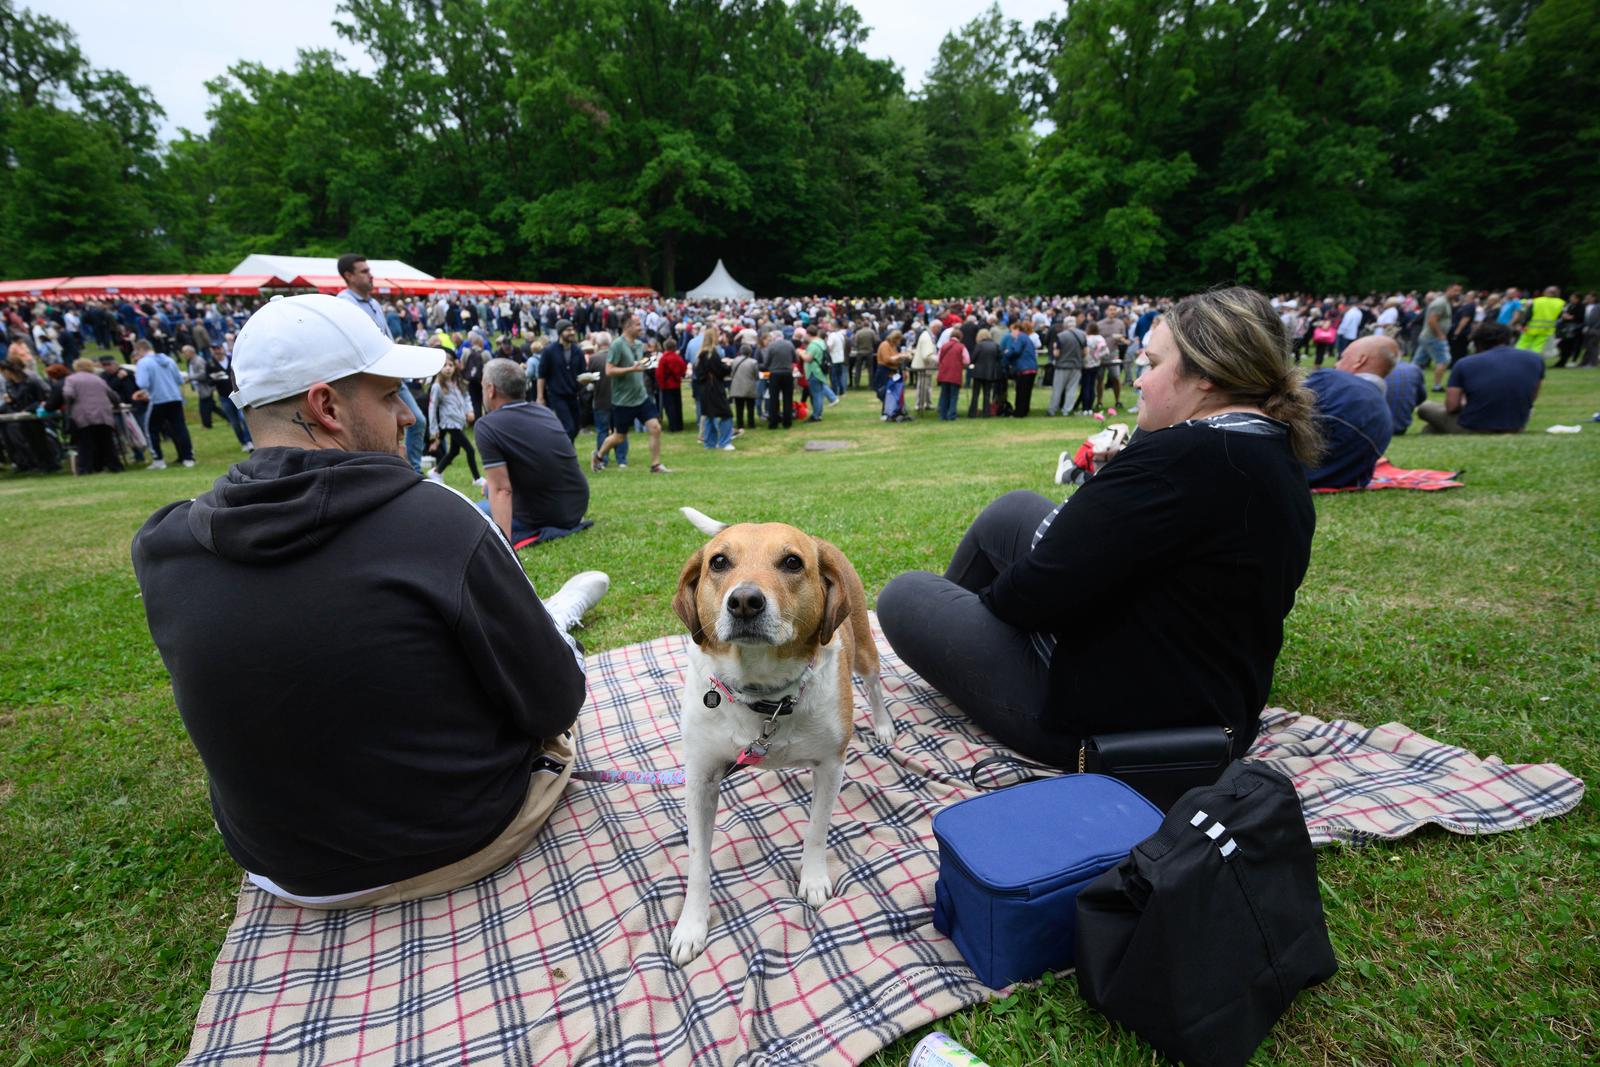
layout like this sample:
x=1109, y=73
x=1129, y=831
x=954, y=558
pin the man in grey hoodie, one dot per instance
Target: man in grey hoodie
x=384, y=707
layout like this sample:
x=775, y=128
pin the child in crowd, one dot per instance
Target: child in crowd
x=450, y=413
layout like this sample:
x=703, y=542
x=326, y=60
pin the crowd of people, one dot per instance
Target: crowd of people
x=618, y=367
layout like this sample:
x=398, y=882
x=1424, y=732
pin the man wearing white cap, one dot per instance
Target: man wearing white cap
x=383, y=705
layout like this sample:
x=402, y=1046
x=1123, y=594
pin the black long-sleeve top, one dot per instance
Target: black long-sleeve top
x=1160, y=587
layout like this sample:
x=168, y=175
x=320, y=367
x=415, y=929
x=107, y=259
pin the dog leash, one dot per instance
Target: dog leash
x=632, y=777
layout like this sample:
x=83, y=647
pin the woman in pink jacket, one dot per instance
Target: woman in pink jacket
x=953, y=359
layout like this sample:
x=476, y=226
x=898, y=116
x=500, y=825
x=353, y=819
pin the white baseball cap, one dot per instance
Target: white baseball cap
x=292, y=343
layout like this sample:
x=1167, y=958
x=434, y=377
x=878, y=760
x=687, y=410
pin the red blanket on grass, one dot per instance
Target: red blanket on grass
x=1387, y=476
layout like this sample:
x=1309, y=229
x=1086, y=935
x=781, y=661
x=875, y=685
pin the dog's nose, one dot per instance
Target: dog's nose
x=746, y=602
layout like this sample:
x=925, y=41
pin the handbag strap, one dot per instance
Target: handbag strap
x=993, y=761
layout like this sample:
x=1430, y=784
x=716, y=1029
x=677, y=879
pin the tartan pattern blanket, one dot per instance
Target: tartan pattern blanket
x=1387, y=476
x=562, y=956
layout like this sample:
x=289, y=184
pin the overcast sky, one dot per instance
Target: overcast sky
x=174, y=46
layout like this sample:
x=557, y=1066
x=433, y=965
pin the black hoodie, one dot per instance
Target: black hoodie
x=360, y=660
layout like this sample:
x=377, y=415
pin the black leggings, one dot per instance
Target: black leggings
x=1024, y=395
x=97, y=449
x=457, y=439
x=989, y=668
x=744, y=412
x=978, y=406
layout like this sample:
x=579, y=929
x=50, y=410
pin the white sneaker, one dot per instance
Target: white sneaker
x=576, y=598
x=1063, y=468
x=480, y=482
x=157, y=465
x=728, y=448
x=188, y=463
x=434, y=476
x=247, y=447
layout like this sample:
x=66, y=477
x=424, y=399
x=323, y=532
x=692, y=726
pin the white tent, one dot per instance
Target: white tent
x=290, y=267
x=719, y=286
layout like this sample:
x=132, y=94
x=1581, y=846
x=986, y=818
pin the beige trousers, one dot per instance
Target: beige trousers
x=544, y=790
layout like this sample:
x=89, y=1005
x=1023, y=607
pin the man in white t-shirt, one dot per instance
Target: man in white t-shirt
x=837, y=342
x=1349, y=327
x=1388, y=323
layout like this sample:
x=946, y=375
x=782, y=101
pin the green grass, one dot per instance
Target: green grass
x=1469, y=615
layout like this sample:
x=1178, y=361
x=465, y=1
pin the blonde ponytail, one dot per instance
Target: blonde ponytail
x=1233, y=339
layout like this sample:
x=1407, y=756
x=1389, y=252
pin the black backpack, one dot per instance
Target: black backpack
x=1202, y=937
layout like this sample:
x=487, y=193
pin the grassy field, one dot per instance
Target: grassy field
x=1473, y=616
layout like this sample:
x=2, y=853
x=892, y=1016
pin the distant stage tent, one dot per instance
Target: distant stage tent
x=721, y=286
x=296, y=266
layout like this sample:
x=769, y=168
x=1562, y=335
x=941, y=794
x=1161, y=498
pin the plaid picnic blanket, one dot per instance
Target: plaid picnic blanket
x=1359, y=784
x=1387, y=476
x=562, y=956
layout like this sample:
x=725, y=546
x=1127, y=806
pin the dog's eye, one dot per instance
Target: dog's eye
x=793, y=564
x=719, y=562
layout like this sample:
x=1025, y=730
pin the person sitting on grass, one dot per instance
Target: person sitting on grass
x=375, y=727
x=535, y=488
x=1352, y=413
x=1212, y=518
x=1404, y=390
x=1490, y=392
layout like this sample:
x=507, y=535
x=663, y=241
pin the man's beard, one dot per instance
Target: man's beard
x=375, y=438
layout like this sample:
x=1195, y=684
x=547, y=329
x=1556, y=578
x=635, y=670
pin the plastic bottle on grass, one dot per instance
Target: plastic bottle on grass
x=939, y=1049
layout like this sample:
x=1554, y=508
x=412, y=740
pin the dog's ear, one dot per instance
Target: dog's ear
x=685, y=602
x=836, y=600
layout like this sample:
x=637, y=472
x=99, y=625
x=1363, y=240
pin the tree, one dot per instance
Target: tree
x=1281, y=143
x=78, y=152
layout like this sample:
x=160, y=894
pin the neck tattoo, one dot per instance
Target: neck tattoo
x=300, y=421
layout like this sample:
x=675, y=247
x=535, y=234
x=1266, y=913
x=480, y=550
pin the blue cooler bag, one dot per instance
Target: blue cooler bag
x=1011, y=864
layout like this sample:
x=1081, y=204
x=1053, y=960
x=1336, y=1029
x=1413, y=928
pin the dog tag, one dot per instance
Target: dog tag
x=752, y=755
x=712, y=698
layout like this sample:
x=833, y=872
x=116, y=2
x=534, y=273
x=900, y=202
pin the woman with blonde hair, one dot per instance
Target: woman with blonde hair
x=890, y=372
x=1210, y=508
x=449, y=414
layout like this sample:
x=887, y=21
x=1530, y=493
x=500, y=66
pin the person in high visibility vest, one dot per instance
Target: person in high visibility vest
x=1543, y=314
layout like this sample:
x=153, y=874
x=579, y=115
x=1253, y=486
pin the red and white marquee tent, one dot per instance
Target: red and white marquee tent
x=105, y=286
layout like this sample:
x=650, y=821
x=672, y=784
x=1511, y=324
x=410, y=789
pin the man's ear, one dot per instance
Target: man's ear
x=836, y=601
x=325, y=407
x=686, y=601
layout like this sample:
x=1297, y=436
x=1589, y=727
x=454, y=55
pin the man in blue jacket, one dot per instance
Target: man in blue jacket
x=1352, y=413
x=161, y=383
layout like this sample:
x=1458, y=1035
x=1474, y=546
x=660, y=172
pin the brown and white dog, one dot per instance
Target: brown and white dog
x=778, y=620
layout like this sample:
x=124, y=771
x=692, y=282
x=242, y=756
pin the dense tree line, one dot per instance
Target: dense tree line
x=1123, y=144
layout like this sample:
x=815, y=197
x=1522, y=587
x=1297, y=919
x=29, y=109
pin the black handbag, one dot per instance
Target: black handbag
x=1161, y=764
x=1201, y=938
